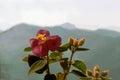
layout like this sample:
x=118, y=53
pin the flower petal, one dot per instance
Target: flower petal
x=40, y=50
x=43, y=32
x=53, y=42
x=33, y=42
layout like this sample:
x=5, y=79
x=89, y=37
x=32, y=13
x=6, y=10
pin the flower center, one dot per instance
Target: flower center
x=41, y=37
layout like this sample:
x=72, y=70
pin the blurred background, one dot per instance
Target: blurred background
x=96, y=20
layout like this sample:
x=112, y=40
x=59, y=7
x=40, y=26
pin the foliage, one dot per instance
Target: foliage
x=39, y=62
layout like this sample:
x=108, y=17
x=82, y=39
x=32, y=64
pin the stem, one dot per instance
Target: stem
x=70, y=60
x=69, y=65
x=65, y=74
x=48, y=71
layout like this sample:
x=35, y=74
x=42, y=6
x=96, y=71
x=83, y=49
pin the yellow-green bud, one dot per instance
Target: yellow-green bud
x=70, y=40
x=89, y=72
x=104, y=73
x=96, y=68
x=81, y=41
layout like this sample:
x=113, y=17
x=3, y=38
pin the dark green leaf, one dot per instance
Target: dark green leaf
x=80, y=65
x=82, y=49
x=64, y=47
x=64, y=63
x=27, y=49
x=50, y=77
x=37, y=66
x=78, y=73
x=32, y=59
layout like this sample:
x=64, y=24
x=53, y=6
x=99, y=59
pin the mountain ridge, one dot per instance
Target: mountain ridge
x=69, y=26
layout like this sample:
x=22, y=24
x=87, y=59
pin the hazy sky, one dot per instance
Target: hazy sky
x=100, y=13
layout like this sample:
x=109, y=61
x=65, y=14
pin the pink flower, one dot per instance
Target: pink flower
x=44, y=43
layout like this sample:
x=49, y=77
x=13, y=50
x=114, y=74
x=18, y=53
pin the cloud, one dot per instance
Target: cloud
x=43, y=18
x=50, y=12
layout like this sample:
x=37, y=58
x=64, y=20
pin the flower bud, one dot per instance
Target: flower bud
x=89, y=72
x=96, y=68
x=75, y=42
x=96, y=73
x=104, y=73
x=70, y=40
x=81, y=41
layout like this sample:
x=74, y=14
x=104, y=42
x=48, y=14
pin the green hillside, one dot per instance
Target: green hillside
x=104, y=51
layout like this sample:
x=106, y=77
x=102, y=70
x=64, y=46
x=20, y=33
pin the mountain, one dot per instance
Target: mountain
x=68, y=26
x=104, y=50
x=108, y=32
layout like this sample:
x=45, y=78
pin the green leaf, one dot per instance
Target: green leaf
x=80, y=65
x=25, y=59
x=82, y=49
x=55, y=57
x=54, y=54
x=85, y=78
x=42, y=70
x=64, y=47
x=27, y=49
x=78, y=73
x=64, y=63
x=60, y=76
x=37, y=66
x=32, y=59
x=53, y=60
x=107, y=78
